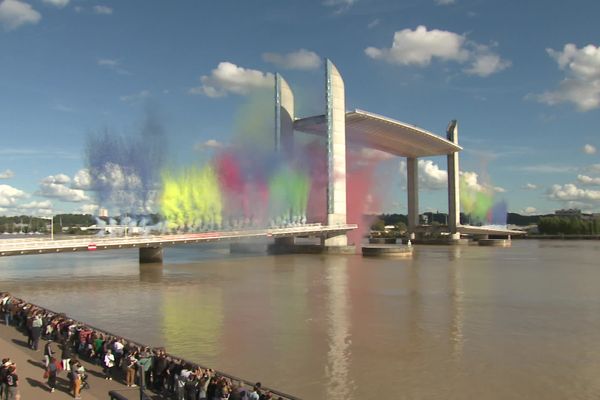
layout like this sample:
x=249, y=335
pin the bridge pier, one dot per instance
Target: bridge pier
x=151, y=255
x=453, y=183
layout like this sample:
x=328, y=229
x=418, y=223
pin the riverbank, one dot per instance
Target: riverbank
x=30, y=369
x=562, y=237
x=168, y=376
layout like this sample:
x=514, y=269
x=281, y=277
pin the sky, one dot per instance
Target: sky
x=521, y=77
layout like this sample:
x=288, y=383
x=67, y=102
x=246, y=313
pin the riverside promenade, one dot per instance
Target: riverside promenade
x=30, y=369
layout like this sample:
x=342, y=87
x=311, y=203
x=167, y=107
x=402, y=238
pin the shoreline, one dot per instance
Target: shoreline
x=561, y=237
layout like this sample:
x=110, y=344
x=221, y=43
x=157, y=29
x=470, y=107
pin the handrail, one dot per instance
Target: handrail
x=166, y=240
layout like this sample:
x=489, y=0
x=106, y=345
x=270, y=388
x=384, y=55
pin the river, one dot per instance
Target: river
x=463, y=322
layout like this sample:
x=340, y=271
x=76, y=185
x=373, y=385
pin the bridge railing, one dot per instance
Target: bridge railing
x=246, y=384
x=18, y=244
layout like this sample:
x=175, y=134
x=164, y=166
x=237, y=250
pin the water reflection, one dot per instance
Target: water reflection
x=192, y=319
x=151, y=273
x=339, y=384
x=457, y=330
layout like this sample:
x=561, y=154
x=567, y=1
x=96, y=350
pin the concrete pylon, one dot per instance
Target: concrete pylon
x=453, y=183
x=336, y=151
x=151, y=255
x=412, y=189
x=284, y=116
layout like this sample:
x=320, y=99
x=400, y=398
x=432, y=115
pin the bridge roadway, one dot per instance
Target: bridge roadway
x=18, y=247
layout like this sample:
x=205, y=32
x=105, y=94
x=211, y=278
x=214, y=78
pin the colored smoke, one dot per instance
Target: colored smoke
x=124, y=170
x=478, y=202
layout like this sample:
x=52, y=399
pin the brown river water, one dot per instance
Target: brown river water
x=463, y=322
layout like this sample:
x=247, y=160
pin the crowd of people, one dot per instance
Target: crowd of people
x=68, y=341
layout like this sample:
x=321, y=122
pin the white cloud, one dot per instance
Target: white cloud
x=229, y=78
x=103, y=10
x=9, y=195
x=57, y=3
x=547, y=168
x=55, y=186
x=115, y=176
x=209, y=144
x=528, y=210
x=136, y=97
x=589, y=149
x=486, y=63
x=373, y=23
x=6, y=174
x=82, y=180
x=444, y=2
x=40, y=208
x=430, y=175
x=530, y=186
x=14, y=13
x=471, y=180
x=588, y=180
x=581, y=85
x=88, y=209
x=47, y=204
x=113, y=65
x=570, y=192
x=339, y=5
x=301, y=59
x=420, y=46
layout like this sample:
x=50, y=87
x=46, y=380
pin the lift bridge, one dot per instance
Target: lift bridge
x=151, y=246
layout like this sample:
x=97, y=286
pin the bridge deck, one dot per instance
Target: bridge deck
x=16, y=247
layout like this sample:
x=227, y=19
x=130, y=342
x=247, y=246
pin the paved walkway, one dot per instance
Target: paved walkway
x=30, y=369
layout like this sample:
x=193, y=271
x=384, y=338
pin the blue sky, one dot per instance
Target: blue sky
x=522, y=78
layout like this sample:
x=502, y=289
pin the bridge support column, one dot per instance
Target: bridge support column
x=151, y=255
x=284, y=117
x=453, y=183
x=412, y=188
x=285, y=241
x=336, y=152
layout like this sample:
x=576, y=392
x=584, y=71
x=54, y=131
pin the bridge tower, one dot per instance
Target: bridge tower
x=453, y=183
x=284, y=132
x=335, y=117
x=284, y=117
x=412, y=190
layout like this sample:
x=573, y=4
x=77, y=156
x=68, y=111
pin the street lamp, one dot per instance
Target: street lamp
x=51, y=226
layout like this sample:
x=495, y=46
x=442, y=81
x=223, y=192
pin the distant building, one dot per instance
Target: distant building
x=103, y=212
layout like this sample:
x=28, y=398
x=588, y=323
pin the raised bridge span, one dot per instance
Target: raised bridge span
x=151, y=245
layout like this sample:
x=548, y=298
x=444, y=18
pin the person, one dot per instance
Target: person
x=76, y=377
x=66, y=356
x=36, y=331
x=6, y=308
x=48, y=352
x=52, y=369
x=130, y=367
x=255, y=393
x=3, y=372
x=109, y=363
x=12, y=383
x=145, y=362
